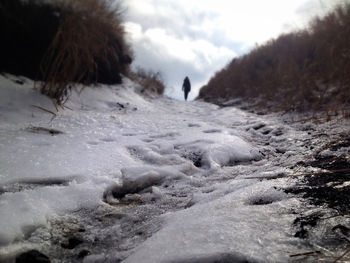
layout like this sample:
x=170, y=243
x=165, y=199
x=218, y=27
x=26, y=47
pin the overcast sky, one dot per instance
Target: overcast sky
x=196, y=38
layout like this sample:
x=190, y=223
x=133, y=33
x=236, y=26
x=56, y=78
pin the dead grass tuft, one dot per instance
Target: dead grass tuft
x=64, y=42
x=151, y=82
x=89, y=47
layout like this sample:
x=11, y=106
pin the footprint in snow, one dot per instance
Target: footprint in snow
x=193, y=125
x=92, y=143
x=258, y=126
x=147, y=140
x=129, y=134
x=107, y=139
x=33, y=183
x=212, y=131
x=169, y=135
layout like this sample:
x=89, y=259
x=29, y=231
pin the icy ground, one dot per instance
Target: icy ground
x=118, y=176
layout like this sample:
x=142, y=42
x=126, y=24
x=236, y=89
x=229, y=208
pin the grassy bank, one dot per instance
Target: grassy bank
x=62, y=43
x=303, y=70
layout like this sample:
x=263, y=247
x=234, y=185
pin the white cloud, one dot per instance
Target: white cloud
x=158, y=50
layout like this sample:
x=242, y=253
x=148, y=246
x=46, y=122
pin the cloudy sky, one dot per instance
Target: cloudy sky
x=196, y=38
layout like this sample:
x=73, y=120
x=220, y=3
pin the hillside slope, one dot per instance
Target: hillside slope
x=304, y=70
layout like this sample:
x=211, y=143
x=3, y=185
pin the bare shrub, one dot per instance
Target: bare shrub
x=151, y=82
x=89, y=47
x=63, y=42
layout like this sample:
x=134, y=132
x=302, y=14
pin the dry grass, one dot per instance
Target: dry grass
x=63, y=42
x=305, y=70
x=151, y=82
x=89, y=47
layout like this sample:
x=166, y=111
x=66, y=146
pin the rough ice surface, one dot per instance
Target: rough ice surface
x=229, y=226
x=181, y=166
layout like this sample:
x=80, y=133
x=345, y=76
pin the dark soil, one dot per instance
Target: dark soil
x=72, y=243
x=32, y=256
x=328, y=189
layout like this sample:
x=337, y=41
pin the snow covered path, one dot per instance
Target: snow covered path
x=121, y=177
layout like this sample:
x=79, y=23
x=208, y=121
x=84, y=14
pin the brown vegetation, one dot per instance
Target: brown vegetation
x=305, y=70
x=84, y=43
x=151, y=82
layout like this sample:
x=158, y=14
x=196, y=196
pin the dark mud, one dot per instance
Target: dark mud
x=329, y=188
x=117, y=228
x=328, y=192
x=32, y=256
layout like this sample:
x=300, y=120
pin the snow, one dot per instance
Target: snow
x=226, y=226
x=117, y=145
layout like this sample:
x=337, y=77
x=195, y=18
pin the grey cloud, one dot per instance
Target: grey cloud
x=180, y=23
x=317, y=7
x=172, y=69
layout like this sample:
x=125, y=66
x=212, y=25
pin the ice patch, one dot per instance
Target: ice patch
x=225, y=228
x=227, y=155
x=155, y=154
x=157, y=160
x=21, y=212
x=136, y=179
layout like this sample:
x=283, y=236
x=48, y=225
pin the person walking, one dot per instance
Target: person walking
x=186, y=87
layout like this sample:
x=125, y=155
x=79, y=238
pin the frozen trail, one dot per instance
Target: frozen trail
x=122, y=177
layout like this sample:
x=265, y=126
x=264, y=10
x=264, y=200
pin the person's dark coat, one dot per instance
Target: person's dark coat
x=186, y=87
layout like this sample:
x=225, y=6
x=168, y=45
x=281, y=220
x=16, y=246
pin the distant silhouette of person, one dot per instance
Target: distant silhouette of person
x=186, y=87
